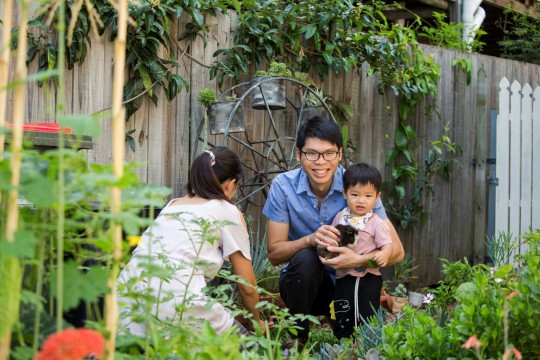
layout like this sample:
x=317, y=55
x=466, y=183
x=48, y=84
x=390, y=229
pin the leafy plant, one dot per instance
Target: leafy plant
x=521, y=37
x=275, y=69
x=315, y=98
x=207, y=96
x=450, y=35
x=501, y=248
x=403, y=271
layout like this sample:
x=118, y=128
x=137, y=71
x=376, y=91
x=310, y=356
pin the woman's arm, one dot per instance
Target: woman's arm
x=250, y=297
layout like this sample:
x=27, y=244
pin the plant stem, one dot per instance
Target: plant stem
x=4, y=68
x=11, y=264
x=61, y=28
x=118, y=135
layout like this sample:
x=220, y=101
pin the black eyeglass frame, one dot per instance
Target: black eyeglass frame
x=319, y=154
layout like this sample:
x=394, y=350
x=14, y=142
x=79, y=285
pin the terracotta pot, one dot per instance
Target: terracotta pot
x=399, y=302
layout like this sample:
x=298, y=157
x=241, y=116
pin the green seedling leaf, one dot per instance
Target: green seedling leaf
x=22, y=247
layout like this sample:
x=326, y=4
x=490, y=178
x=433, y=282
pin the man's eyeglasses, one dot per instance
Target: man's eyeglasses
x=315, y=155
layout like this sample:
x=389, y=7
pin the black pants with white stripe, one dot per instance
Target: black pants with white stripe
x=369, y=294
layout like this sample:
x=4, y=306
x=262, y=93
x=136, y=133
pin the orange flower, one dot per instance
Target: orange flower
x=73, y=344
x=512, y=294
x=509, y=352
x=473, y=342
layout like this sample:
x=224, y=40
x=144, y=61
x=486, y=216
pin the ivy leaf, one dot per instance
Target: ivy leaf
x=197, y=16
x=310, y=30
x=237, y=6
x=401, y=138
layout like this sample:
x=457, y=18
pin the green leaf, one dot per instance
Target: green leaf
x=81, y=124
x=39, y=190
x=401, y=137
x=198, y=17
x=310, y=30
x=23, y=246
x=80, y=285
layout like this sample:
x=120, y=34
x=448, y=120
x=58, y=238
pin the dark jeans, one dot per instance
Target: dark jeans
x=369, y=293
x=305, y=288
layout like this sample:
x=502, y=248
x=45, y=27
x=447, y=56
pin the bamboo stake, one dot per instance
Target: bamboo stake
x=15, y=166
x=61, y=65
x=118, y=148
x=4, y=68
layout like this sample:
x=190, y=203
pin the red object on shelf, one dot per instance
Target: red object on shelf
x=45, y=127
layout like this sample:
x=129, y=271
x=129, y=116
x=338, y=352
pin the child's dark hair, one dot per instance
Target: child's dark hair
x=209, y=172
x=362, y=174
x=321, y=128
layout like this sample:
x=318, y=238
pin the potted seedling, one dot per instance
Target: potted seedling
x=313, y=104
x=273, y=90
x=221, y=114
x=217, y=113
x=207, y=97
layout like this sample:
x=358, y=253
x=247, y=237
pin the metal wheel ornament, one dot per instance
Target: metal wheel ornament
x=265, y=142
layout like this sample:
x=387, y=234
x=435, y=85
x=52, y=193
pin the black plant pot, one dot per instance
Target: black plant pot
x=274, y=94
x=218, y=115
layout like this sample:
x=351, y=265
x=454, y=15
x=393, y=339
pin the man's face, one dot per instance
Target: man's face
x=326, y=155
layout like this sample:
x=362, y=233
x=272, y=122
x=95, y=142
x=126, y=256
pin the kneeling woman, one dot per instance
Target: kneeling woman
x=179, y=240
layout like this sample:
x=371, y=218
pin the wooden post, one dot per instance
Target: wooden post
x=480, y=193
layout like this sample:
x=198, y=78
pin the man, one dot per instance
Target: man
x=300, y=207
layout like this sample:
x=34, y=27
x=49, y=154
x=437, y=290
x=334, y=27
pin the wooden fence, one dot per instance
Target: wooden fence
x=164, y=134
x=518, y=159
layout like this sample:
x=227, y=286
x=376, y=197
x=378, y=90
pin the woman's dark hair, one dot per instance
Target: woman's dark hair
x=321, y=128
x=362, y=174
x=207, y=173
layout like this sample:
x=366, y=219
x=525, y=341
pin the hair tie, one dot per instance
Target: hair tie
x=212, y=157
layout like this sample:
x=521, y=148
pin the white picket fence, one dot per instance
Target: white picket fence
x=517, y=197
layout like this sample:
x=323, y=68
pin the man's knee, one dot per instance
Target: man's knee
x=306, y=262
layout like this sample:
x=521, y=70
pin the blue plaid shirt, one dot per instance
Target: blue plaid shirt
x=291, y=201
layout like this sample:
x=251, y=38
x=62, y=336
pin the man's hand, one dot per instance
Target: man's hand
x=326, y=235
x=346, y=258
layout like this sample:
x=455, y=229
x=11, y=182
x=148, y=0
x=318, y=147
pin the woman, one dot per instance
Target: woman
x=192, y=237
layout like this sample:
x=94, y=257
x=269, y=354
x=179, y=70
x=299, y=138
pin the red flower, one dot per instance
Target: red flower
x=73, y=344
x=473, y=342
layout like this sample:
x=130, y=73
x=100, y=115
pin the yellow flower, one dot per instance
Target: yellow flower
x=133, y=240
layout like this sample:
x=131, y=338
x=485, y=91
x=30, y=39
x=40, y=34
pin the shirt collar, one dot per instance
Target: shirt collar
x=337, y=182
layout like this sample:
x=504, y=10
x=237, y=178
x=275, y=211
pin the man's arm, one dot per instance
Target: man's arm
x=348, y=259
x=280, y=250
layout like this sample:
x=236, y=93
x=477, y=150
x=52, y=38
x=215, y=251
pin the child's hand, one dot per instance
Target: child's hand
x=381, y=258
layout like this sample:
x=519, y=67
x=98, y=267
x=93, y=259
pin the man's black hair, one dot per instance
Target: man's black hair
x=321, y=128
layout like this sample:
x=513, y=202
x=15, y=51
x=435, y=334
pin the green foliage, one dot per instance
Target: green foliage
x=408, y=208
x=276, y=68
x=403, y=271
x=524, y=308
x=147, y=37
x=414, y=335
x=449, y=35
x=521, y=37
x=207, y=96
x=501, y=248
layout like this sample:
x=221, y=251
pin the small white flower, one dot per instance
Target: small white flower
x=428, y=298
x=498, y=280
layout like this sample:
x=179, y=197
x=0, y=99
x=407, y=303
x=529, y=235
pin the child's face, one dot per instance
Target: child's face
x=361, y=198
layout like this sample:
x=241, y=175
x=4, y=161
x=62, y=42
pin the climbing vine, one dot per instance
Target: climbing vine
x=151, y=48
x=310, y=36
